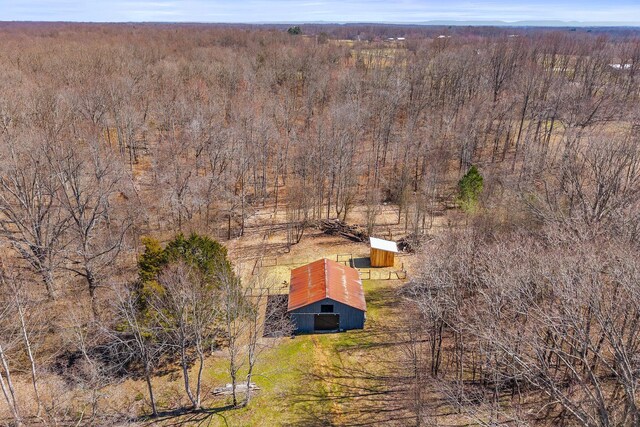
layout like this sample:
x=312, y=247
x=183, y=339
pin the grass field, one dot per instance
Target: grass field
x=308, y=380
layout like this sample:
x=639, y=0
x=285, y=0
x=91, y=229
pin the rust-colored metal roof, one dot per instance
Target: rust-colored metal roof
x=326, y=279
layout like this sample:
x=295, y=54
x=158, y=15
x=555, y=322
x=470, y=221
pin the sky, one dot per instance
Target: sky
x=621, y=12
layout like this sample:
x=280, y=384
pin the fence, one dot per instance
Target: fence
x=272, y=261
x=346, y=259
x=262, y=291
x=366, y=273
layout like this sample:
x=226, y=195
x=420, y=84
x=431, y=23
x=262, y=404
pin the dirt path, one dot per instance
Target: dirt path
x=350, y=373
x=322, y=360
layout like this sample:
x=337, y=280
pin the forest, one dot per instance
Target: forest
x=147, y=170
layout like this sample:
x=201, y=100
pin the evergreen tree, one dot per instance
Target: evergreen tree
x=205, y=255
x=469, y=189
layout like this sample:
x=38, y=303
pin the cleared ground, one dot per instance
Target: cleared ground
x=322, y=379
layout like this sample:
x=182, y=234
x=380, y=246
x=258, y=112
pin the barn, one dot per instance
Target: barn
x=326, y=296
x=382, y=252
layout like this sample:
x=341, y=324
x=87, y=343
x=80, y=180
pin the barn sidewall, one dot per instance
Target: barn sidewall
x=350, y=317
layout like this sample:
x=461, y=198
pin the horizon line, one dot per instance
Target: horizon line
x=551, y=23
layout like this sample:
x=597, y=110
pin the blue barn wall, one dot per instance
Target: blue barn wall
x=350, y=317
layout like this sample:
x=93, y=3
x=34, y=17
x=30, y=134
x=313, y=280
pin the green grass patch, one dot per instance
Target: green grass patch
x=294, y=375
x=278, y=372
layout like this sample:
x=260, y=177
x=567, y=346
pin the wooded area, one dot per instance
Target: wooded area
x=522, y=306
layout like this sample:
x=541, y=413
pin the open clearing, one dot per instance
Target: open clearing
x=320, y=379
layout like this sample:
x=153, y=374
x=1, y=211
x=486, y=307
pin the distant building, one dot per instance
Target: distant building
x=620, y=66
x=326, y=296
x=382, y=252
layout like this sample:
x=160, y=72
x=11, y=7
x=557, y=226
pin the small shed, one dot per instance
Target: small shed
x=326, y=296
x=382, y=252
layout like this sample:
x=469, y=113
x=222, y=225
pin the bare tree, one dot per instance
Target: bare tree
x=233, y=300
x=33, y=221
x=89, y=181
x=533, y=317
x=297, y=215
x=596, y=189
x=14, y=284
x=372, y=209
x=189, y=309
x=7, y=340
x=137, y=340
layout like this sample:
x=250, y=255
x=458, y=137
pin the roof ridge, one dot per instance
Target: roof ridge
x=326, y=278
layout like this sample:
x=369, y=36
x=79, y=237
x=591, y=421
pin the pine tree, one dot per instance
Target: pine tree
x=207, y=256
x=469, y=189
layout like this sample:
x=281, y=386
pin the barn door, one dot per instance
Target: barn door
x=326, y=322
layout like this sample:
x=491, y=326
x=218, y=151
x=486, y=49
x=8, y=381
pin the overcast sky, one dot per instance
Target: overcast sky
x=598, y=11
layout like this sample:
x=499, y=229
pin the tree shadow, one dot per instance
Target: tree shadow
x=183, y=416
x=354, y=386
x=346, y=395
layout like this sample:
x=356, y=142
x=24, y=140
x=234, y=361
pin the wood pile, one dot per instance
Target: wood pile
x=335, y=227
x=404, y=245
x=411, y=243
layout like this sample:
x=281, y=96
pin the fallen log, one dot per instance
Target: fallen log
x=335, y=227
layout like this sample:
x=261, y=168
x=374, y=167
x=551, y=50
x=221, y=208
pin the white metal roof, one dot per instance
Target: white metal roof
x=385, y=245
